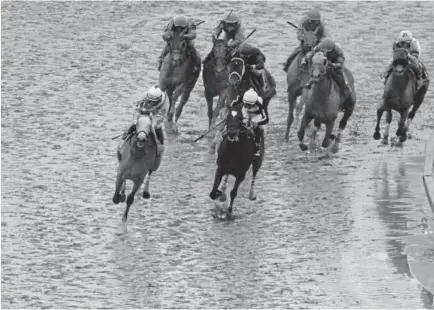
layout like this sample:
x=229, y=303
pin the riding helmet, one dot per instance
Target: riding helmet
x=231, y=19
x=327, y=45
x=180, y=21
x=250, y=97
x=405, y=36
x=314, y=15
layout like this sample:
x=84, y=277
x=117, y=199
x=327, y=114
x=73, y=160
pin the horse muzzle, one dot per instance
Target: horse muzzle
x=142, y=137
x=233, y=136
x=399, y=65
x=234, y=78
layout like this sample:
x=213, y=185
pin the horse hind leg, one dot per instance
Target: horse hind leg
x=316, y=128
x=292, y=100
x=420, y=95
x=307, y=118
x=209, y=102
x=117, y=197
x=215, y=193
x=256, y=165
x=401, y=132
x=377, y=134
x=185, y=95
x=342, y=125
x=130, y=198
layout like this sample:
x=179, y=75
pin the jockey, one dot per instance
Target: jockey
x=233, y=33
x=335, y=55
x=255, y=114
x=310, y=25
x=184, y=25
x=153, y=103
x=406, y=40
x=254, y=60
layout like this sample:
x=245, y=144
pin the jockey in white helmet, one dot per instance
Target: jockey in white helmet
x=153, y=103
x=406, y=40
x=255, y=114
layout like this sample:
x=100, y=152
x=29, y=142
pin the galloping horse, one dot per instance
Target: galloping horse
x=137, y=157
x=296, y=77
x=216, y=79
x=235, y=155
x=240, y=80
x=399, y=95
x=324, y=100
x=177, y=78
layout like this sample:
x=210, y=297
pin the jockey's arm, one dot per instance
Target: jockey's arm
x=339, y=63
x=168, y=31
x=239, y=37
x=414, y=48
x=264, y=113
x=259, y=61
x=218, y=30
x=191, y=31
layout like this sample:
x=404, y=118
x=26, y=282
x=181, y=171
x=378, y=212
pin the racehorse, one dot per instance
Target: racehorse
x=240, y=80
x=296, y=77
x=400, y=94
x=235, y=155
x=324, y=100
x=216, y=79
x=177, y=78
x=137, y=157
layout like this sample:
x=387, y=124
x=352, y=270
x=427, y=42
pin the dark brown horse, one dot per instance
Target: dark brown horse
x=400, y=94
x=296, y=77
x=241, y=80
x=235, y=155
x=216, y=79
x=177, y=78
x=323, y=101
x=137, y=157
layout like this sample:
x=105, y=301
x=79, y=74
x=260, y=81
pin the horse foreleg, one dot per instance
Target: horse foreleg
x=117, y=196
x=219, y=106
x=223, y=188
x=386, y=131
x=401, y=132
x=176, y=93
x=377, y=134
x=316, y=128
x=326, y=142
x=298, y=109
x=215, y=193
x=256, y=165
x=342, y=125
x=209, y=102
x=123, y=191
x=234, y=193
x=130, y=198
x=292, y=100
x=307, y=118
x=146, y=194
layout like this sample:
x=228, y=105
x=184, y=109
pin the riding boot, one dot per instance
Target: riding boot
x=128, y=131
x=259, y=80
x=159, y=140
x=291, y=58
x=162, y=55
x=257, y=132
x=340, y=79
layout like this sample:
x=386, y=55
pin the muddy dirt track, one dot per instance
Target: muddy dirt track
x=323, y=233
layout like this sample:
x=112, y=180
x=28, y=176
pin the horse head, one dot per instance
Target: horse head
x=178, y=48
x=318, y=66
x=234, y=123
x=400, y=60
x=143, y=130
x=219, y=50
x=236, y=71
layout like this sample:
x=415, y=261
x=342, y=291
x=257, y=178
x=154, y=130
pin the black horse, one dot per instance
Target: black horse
x=235, y=155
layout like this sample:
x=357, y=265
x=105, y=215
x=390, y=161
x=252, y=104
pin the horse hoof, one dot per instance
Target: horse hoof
x=215, y=194
x=377, y=135
x=222, y=197
x=116, y=198
x=409, y=136
x=252, y=197
x=303, y=147
x=146, y=195
x=335, y=148
x=286, y=138
x=332, y=136
x=124, y=218
x=123, y=197
x=385, y=141
x=230, y=210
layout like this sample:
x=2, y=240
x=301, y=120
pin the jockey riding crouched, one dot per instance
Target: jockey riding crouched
x=255, y=114
x=254, y=60
x=311, y=25
x=406, y=40
x=335, y=55
x=152, y=103
x=185, y=26
x=233, y=33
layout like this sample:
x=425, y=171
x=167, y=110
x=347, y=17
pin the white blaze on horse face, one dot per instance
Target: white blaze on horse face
x=234, y=113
